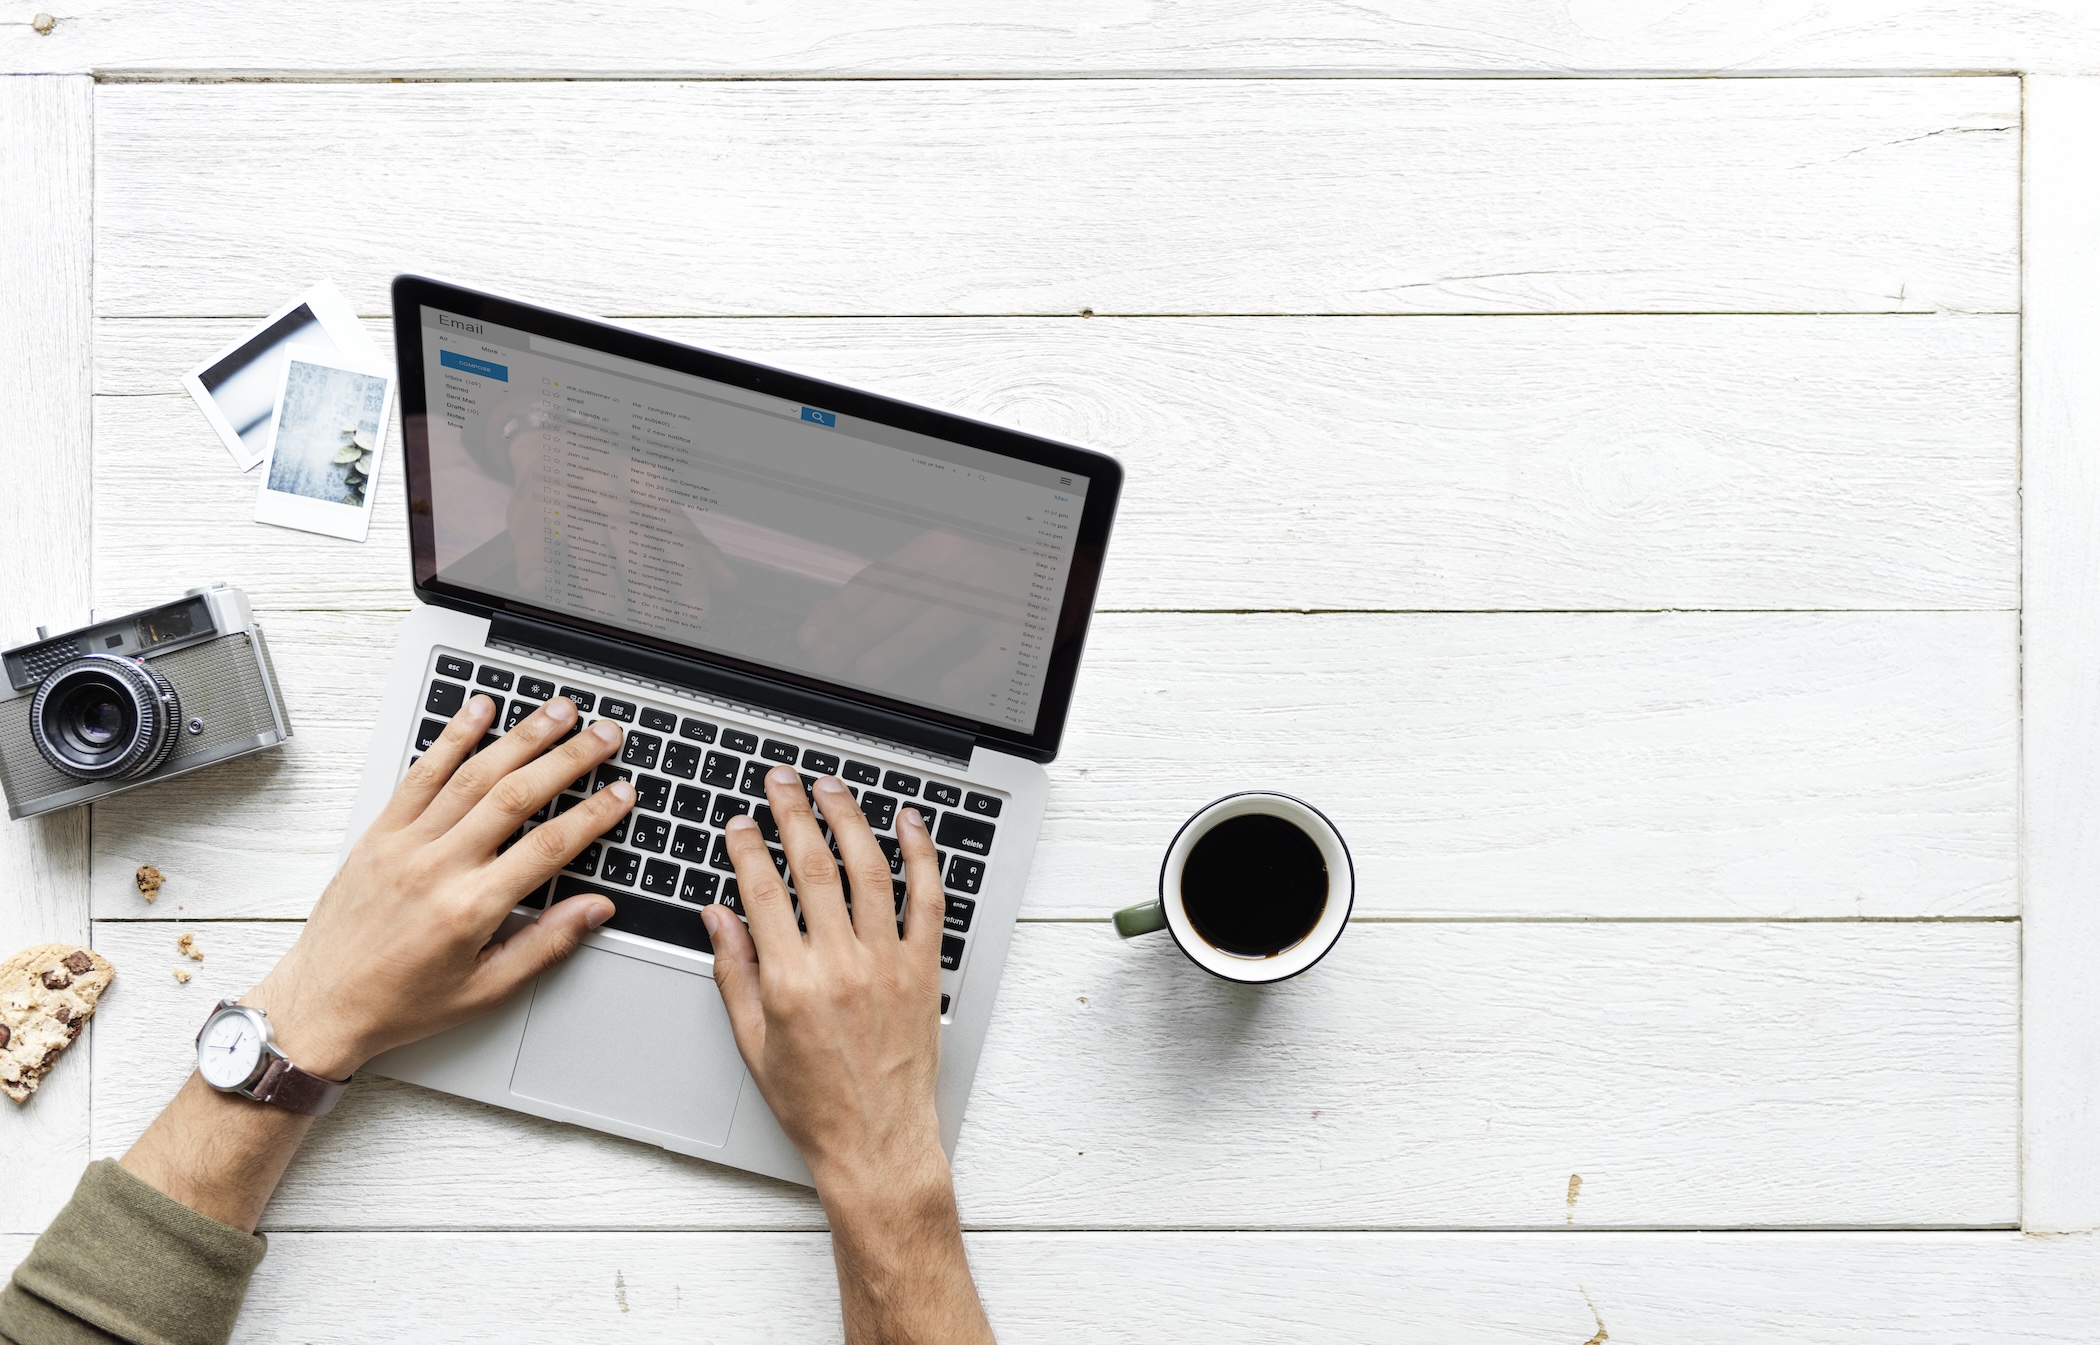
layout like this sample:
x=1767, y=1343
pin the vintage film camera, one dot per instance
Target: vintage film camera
x=139, y=698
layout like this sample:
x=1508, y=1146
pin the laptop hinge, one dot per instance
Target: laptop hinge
x=670, y=670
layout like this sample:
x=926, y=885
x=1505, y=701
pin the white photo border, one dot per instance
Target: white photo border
x=286, y=510
x=335, y=316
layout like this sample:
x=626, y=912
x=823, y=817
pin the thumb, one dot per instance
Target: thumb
x=736, y=976
x=545, y=942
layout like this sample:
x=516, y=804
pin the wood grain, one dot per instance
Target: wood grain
x=1421, y=1288
x=1422, y=1076
x=208, y=38
x=46, y=252
x=1563, y=462
x=2061, y=742
x=1054, y=196
x=1685, y=765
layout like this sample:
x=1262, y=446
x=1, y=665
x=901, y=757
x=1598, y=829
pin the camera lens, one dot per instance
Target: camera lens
x=105, y=717
x=98, y=717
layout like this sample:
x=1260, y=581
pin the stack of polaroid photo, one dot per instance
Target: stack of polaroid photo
x=308, y=397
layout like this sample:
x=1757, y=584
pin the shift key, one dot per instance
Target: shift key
x=968, y=834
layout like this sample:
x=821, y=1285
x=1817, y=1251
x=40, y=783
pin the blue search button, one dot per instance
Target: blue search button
x=816, y=417
x=469, y=365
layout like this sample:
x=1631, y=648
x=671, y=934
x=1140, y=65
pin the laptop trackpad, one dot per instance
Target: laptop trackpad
x=628, y=1040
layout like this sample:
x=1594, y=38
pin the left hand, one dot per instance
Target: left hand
x=398, y=947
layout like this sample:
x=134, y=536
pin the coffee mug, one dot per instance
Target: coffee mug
x=1255, y=888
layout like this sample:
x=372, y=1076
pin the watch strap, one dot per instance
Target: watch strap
x=284, y=1084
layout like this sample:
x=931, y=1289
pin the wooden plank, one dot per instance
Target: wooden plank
x=1839, y=1288
x=1444, y=1075
x=894, y=38
x=1763, y=462
x=46, y=252
x=1054, y=196
x=1845, y=1289
x=2061, y=742
x=1824, y=765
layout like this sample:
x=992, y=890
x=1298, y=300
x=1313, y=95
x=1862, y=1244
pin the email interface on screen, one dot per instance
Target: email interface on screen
x=782, y=534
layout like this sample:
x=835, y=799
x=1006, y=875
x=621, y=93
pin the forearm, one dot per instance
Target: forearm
x=904, y=1278
x=220, y=1154
x=123, y=1262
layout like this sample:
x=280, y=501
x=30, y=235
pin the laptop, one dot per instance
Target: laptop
x=742, y=567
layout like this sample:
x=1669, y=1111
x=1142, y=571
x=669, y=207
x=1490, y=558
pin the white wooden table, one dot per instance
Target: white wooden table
x=1659, y=517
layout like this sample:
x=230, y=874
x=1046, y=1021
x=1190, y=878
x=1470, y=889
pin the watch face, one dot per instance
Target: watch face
x=229, y=1049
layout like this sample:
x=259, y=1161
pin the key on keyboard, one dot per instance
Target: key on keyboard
x=640, y=749
x=720, y=771
x=445, y=698
x=965, y=833
x=682, y=760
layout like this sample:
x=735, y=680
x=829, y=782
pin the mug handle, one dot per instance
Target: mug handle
x=1149, y=918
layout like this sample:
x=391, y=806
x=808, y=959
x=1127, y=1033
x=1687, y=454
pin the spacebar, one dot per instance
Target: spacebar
x=633, y=914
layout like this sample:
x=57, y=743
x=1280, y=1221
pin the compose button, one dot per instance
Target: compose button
x=811, y=414
x=469, y=365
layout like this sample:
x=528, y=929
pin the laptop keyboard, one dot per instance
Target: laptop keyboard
x=690, y=776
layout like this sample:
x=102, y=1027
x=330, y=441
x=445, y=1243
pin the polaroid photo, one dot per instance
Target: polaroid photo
x=327, y=435
x=237, y=388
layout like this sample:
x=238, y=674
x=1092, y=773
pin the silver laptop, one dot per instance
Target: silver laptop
x=742, y=567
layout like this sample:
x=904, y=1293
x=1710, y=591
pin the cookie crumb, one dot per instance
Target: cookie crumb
x=149, y=880
x=187, y=945
x=182, y=975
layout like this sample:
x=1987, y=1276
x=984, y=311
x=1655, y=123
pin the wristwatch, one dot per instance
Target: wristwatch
x=236, y=1053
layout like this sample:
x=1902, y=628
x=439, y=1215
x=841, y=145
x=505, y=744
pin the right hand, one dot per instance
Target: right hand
x=840, y=1027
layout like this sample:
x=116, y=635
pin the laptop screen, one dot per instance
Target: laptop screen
x=781, y=532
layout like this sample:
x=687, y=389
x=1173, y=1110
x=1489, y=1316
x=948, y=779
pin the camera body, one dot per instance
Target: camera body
x=136, y=699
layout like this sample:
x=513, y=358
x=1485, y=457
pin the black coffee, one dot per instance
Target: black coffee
x=1254, y=885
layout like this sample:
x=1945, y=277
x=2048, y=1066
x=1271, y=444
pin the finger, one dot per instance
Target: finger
x=867, y=868
x=472, y=781
x=766, y=903
x=559, y=931
x=924, y=907
x=736, y=976
x=809, y=859
x=526, y=790
x=435, y=766
x=550, y=845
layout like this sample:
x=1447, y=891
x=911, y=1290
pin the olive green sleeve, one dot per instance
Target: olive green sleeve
x=124, y=1263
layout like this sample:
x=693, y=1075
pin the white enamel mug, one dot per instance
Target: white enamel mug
x=1170, y=914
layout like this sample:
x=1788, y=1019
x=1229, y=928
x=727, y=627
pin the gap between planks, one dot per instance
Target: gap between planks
x=207, y=75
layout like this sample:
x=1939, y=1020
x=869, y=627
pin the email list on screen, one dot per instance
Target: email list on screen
x=789, y=536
